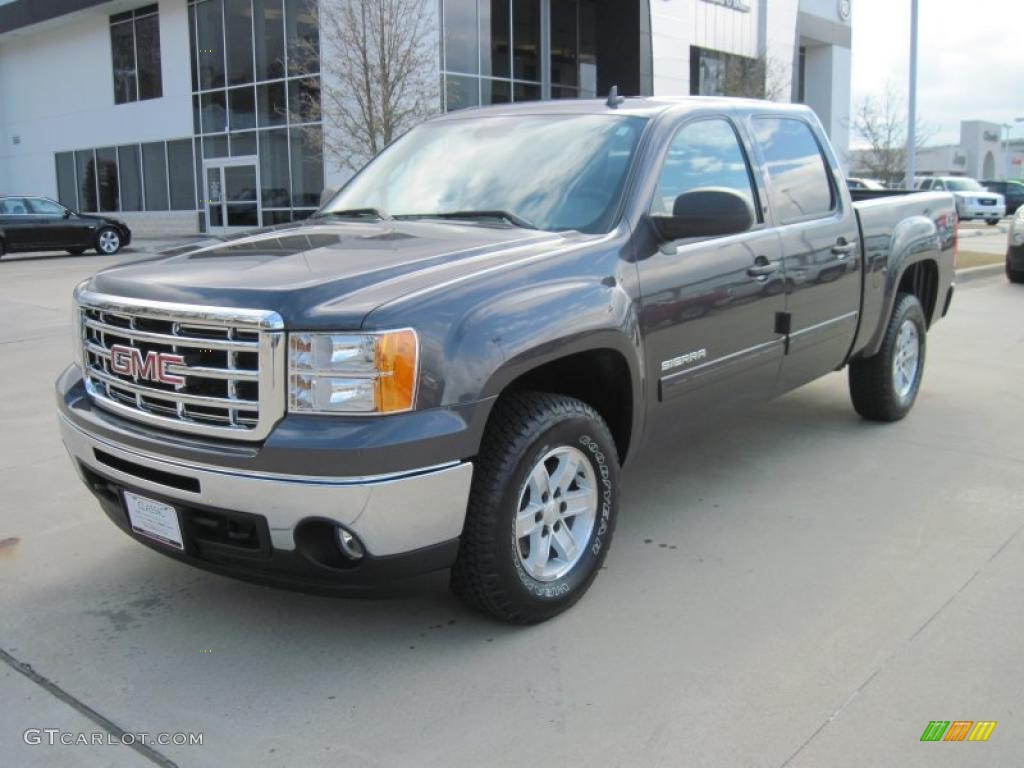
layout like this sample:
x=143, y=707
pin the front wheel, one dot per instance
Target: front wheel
x=1014, y=275
x=883, y=387
x=108, y=241
x=541, y=511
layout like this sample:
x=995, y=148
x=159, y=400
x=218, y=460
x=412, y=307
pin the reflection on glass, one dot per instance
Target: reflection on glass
x=269, y=22
x=242, y=108
x=210, y=38
x=66, y=192
x=238, y=28
x=461, y=92
x=147, y=51
x=214, y=112
x=154, y=171
x=702, y=154
x=801, y=185
x=271, y=105
x=179, y=165
x=526, y=40
x=130, y=167
x=240, y=183
x=275, y=177
x=106, y=177
x=558, y=173
x=461, y=43
x=85, y=162
x=495, y=20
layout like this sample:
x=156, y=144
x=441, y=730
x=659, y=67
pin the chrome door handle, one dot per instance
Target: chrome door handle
x=843, y=248
x=762, y=268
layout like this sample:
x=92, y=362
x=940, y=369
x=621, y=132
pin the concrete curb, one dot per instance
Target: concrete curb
x=977, y=273
x=998, y=229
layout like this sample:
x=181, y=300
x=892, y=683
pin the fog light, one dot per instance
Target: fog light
x=350, y=545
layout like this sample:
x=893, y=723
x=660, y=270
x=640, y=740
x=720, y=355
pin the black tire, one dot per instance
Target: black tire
x=489, y=574
x=76, y=251
x=107, y=231
x=1014, y=275
x=872, y=388
x=991, y=222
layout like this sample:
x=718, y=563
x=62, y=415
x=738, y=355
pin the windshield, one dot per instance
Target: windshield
x=552, y=172
x=964, y=185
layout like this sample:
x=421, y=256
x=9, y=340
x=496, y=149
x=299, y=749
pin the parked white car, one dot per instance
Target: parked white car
x=973, y=201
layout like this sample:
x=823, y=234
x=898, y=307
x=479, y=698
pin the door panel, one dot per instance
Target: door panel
x=709, y=305
x=820, y=240
x=709, y=325
x=19, y=225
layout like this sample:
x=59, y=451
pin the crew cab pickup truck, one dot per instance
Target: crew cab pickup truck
x=446, y=367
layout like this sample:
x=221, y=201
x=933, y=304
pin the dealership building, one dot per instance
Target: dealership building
x=199, y=115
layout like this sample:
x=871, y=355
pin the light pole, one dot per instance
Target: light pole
x=912, y=116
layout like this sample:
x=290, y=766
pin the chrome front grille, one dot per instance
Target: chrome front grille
x=225, y=367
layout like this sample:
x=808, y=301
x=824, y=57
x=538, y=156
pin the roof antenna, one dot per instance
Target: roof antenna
x=614, y=99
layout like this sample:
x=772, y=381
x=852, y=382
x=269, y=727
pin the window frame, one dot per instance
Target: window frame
x=837, y=206
x=755, y=189
x=130, y=19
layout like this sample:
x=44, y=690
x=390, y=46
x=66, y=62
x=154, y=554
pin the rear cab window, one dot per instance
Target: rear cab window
x=13, y=206
x=800, y=182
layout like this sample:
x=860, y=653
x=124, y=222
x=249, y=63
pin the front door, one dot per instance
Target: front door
x=709, y=304
x=232, y=195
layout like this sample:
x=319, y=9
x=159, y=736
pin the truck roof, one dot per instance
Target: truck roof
x=639, y=106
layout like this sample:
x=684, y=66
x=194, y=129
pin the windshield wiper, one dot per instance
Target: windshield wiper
x=358, y=213
x=511, y=218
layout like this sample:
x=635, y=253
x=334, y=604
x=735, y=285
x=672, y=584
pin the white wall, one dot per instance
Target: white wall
x=57, y=93
x=678, y=24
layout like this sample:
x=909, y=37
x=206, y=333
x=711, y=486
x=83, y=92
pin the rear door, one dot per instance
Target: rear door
x=709, y=304
x=18, y=224
x=820, y=243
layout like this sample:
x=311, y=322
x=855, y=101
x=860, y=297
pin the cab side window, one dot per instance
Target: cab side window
x=46, y=207
x=801, y=182
x=703, y=154
x=13, y=206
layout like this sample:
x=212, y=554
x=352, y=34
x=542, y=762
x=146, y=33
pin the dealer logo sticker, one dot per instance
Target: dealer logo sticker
x=958, y=730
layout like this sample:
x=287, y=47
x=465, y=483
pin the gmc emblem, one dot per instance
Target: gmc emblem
x=129, y=361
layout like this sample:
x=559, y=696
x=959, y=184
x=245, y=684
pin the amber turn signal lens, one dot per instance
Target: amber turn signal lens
x=395, y=357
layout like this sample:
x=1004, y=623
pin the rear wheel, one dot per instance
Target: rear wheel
x=541, y=511
x=884, y=387
x=991, y=222
x=108, y=241
x=1014, y=275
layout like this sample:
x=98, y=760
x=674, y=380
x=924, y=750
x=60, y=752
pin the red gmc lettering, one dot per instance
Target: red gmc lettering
x=129, y=361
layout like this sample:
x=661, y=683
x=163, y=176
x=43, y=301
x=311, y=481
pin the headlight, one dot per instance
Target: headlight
x=1017, y=228
x=352, y=372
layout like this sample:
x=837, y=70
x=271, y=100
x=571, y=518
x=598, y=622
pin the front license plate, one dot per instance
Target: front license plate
x=154, y=519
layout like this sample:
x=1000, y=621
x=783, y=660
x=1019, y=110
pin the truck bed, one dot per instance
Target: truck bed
x=897, y=229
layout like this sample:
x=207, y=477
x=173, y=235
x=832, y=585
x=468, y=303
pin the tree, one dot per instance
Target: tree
x=882, y=123
x=760, y=78
x=378, y=75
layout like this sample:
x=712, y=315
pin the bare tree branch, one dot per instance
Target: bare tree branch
x=378, y=74
x=760, y=78
x=881, y=123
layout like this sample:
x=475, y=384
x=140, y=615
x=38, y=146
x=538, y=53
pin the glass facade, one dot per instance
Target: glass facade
x=498, y=51
x=256, y=93
x=157, y=176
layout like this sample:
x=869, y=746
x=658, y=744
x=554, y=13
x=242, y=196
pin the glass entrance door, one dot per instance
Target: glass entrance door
x=232, y=195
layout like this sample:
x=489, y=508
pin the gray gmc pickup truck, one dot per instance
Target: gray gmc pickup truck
x=448, y=364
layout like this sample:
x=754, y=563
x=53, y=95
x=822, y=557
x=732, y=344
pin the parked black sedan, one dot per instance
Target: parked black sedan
x=1012, y=191
x=41, y=224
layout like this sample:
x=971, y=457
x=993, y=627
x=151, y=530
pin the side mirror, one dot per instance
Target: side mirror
x=705, y=213
x=67, y=214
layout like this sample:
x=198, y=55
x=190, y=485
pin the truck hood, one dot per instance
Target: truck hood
x=324, y=273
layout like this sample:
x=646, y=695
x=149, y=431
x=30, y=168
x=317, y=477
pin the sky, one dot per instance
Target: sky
x=970, y=60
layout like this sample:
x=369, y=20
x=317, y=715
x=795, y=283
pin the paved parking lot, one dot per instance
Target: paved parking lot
x=795, y=588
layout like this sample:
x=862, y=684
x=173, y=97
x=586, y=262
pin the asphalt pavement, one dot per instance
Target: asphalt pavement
x=793, y=588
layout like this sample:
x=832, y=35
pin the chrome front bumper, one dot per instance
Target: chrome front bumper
x=391, y=514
